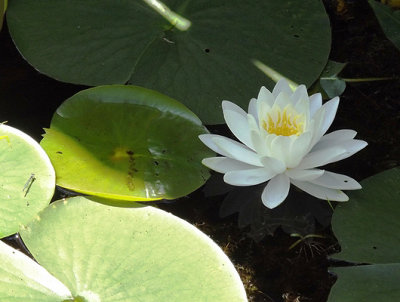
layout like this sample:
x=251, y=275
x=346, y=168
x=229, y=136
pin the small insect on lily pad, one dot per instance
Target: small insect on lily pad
x=27, y=179
x=126, y=143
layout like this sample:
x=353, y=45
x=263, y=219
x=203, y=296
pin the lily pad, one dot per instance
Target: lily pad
x=367, y=283
x=103, y=253
x=367, y=226
x=389, y=19
x=128, y=143
x=27, y=179
x=97, y=42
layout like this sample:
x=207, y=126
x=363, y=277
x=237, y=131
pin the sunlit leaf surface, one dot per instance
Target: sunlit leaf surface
x=27, y=179
x=104, y=253
x=126, y=142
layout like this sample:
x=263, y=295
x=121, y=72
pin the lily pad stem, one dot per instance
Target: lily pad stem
x=176, y=20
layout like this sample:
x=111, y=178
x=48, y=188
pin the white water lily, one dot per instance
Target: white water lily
x=283, y=142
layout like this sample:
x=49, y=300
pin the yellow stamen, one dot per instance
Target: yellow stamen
x=284, y=124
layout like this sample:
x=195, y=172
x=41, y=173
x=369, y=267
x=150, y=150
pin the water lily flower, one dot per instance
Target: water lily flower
x=283, y=141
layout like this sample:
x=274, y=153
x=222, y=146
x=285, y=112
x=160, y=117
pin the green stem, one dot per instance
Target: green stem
x=176, y=20
x=349, y=80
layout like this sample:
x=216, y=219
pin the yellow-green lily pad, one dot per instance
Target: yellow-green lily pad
x=27, y=179
x=126, y=143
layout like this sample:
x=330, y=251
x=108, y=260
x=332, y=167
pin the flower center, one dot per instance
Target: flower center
x=284, y=123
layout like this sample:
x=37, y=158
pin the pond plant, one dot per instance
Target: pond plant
x=283, y=142
x=124, y=153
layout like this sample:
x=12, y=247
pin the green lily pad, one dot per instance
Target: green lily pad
x=367, y=226
x=127, y=143
x=389, y=19
x=367, y=283
x=103, y=253
x=97, y=42
x=27, y=179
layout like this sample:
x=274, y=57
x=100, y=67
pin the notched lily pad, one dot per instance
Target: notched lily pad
x=127, y=143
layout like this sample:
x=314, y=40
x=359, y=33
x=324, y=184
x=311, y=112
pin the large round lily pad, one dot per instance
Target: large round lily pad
x=128, y=143
x=27, y=179
x=103, y=253
x=97, y=42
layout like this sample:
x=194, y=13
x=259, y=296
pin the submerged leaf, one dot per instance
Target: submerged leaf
x=389, y=19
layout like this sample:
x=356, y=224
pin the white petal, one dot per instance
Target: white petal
x=282, y=100
x=236, y=119
x=299, y=94
x=298, y=149
x=282, y=86
x=266, y=96
x=236, y=150
x=316, y=123
x=302, y=106
x=350, y=146
x=330, y=108
x=336, y=181
x=321, y=157
x=253, y=123
x=315, y=103
x=320, y=192
x=248, y=177
x=225, y=164
x=280, y=148
x=304, y=175
x=334, y=138
x=227, y=105
x=262, y=110
x=259, y=143
x=340, y=135
x=253, y=108
x=276, y=191
x=274, y=164
x=207, y=140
